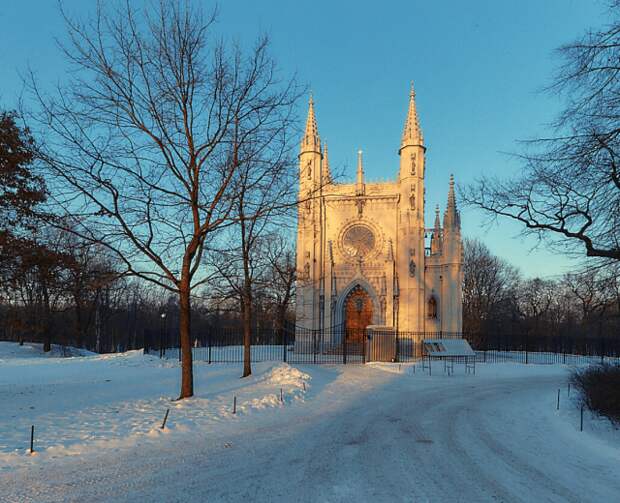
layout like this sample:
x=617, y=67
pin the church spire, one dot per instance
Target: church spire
x=412, y=133
x=325, y=173
x=436, y=237
x=451, y=219
x=359, y=186
x=311, y=140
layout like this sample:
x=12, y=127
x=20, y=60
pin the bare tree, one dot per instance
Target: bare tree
x=569, y=190
x=281, y=276
x=488, y=283
x=142, y=143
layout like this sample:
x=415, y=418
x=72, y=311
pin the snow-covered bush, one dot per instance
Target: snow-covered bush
x=600, y=389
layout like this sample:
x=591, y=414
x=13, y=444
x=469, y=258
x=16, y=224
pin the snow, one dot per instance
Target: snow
x=376, y=432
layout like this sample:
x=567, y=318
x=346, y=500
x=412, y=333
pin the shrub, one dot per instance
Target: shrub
x=600, y=389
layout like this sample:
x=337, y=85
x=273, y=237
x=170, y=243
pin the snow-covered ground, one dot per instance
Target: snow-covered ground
x=343, y=433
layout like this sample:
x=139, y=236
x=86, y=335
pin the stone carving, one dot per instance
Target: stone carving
x=360, y=207
x=413, y=161
x=412, y=197
x=411, y=268
x=309, y=168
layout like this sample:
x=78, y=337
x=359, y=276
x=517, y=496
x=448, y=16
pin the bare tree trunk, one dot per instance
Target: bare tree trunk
x=187, y=377
x=247, y=335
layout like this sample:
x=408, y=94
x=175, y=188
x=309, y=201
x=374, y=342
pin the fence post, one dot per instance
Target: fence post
x=284, y=342
x=344, y=348
x=209, y=345
x=397, y=353
x=526, y=351
x=364, y=346
x=563, y=350
x=314, y=348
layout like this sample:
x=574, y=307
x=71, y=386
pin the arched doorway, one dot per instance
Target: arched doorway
x=357, y=314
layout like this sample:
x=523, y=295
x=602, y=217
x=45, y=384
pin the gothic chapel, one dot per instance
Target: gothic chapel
x=361, y=253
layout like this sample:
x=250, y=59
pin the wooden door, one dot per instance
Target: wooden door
x=358, y=314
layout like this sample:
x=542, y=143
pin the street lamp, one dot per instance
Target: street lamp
x=161, y=335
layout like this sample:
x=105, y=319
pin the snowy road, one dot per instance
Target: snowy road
x=366, y=435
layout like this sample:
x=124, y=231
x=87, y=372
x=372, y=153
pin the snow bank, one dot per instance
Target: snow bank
x=12, y=350
x=79, y=405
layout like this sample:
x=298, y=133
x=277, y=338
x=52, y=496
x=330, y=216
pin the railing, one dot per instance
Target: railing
x=337, y=345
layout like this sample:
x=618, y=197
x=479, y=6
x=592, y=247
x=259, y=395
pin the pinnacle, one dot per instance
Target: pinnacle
x=451, y=218
x=325, y=171
x=412, y=134
x=311, y=140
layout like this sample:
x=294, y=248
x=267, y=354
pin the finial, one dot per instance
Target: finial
x=360, y=173
x=412, y=91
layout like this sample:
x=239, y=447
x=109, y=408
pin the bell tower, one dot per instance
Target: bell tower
x=312, y=175
x=410, y=247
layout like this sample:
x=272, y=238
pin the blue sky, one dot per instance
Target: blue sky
x=478, y=68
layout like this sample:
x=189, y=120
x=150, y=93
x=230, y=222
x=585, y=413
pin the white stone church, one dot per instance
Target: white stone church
x=362, y=258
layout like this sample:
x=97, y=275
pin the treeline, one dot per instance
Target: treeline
x=498, y=300
x=55, y=289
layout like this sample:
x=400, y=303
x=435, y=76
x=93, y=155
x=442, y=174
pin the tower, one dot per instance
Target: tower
x=312, y=175
x=410, y=245
x=452, y=266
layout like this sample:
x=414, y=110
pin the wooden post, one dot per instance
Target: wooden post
x=235, y=405
x=163, y=425
x=32, y=439
x=558, y=407
x=281, y=396
x=581, y=425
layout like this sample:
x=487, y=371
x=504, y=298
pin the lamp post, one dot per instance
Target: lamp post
x=161, y=335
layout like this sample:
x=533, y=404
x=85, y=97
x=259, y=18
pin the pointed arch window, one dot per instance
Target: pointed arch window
x=432, y=307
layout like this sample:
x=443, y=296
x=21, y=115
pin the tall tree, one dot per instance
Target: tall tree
x=569, y=189
x=489, y=284
x=141, y=143
x=21, y=189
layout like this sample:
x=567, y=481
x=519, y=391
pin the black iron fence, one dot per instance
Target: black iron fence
x=338, y=345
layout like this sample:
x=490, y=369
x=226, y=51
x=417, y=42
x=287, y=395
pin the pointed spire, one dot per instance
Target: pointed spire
x=325, y=173
x=451, y=219
x=436, y=243
x=359, y=186
x=311, y=140
x=412, y=134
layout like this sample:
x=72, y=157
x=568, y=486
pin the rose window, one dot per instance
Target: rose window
x=358, y=241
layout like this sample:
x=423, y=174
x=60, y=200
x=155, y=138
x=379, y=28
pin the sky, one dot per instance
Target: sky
x=479, y=69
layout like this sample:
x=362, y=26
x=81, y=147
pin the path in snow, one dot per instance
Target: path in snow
x=368, y=435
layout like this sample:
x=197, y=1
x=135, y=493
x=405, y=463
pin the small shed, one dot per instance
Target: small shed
x=448, y=351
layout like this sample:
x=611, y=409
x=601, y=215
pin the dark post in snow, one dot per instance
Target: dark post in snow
x=32, y=439
x=163, y=425
x=558, y=407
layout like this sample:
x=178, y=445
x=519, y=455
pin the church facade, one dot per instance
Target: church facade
x=364, y=255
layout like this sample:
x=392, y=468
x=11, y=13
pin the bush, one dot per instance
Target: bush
x=600, y=389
